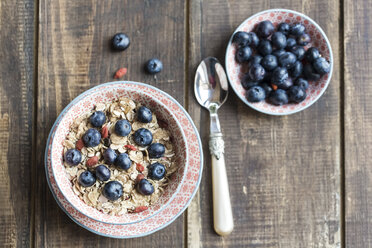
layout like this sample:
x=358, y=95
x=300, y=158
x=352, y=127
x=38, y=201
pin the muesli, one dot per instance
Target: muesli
x=119, y=157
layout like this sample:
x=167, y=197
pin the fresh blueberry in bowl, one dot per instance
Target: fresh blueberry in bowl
x=310, y=74
x=113, y=190
x=97, y=119
x=302, y=83
x=264, y=47
x=321, y=66
x=291, y=42
x=269, y=62
x=254, y=39
x=123, y=161
x=123, y=128
x=109, y=156
x=91, y=138
x=265, y=29
x=243, y=54
x=277, y=53
x=312, y=54
x=256, y=94
x=266, y=87
x=287, y=60
x=279, y=40
x=296, y=70
x=285, y=84
x=87, y=179
x=154, y=66
x=72, y=157
x=279, y=75
x=142, y=137
x=144, y=114
x=157, y=171
x=247, y=82
x=156, y=150
x=303, y=39
x=296, y=94
x=297, y=29
x=256, y=72
x=102, y=172
x=284, y=28
x=120, y=41
x=255, y=59
x=242, y=39
x=299, y=51
x=278, y=97
x=145, y=187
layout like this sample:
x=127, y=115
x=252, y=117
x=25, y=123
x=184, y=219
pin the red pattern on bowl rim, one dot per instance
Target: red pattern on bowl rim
x=86, y=102
x=318, y=39
x=167, y=215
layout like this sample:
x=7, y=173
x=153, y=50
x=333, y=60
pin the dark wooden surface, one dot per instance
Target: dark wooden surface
x=296, y=181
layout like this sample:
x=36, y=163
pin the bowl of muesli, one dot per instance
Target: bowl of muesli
x=118, y=155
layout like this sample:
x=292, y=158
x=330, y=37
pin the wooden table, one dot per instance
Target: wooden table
x=303, y=180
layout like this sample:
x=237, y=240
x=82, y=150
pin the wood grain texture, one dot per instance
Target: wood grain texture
x=16, y=105
x=358, y=117
x=284, y=172
x=74, y=55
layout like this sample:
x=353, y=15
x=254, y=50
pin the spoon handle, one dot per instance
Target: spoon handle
x=222, y=213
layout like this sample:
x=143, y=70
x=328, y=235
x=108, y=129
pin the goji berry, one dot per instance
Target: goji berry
x=104, y=132
x=79, y=144
x=274, y=86
x=140, y=209
x=140, y=167
x=140, y=177
x=92, y=161
x=130, y=147
x=120, y=73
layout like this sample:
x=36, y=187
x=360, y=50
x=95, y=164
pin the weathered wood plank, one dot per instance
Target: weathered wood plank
x=16, y=106
x=358, y=116
x=74, y=55
x=284, y=172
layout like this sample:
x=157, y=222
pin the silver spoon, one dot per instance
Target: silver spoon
x=211, y=90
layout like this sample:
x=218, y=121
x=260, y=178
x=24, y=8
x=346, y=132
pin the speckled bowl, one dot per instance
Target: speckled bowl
x=85, y=102
x=319, y=40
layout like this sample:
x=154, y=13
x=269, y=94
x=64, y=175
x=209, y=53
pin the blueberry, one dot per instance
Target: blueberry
x=291, y=43
x=241, y=39
x=279, y=40
x=103, y=173
x=156, y=171
x=87, y=179
x=303, y=39
x=297, y=29
x=256, y=94
x=256, y=72
x=312, y=54
x=284, y=28
x=254, y=39
x=109, y=156
x=142, y=137
x=156, y=150
x=154, y=66
x=107, y=142
x=302, y=83
x=296, y=94
x=278, y=97
x=299, y=51
x=279, y=75
x=296, y=70
x=267, y=88
x=247, y=82
x=145, y=187
x=269, y=62
x=73, y=157
x=123, y=128
x=265, y=29
x=113, y=190
x=92, y=138
x=97, y=119
x=256, y=59
x=287, y=60
x=243, y=54
x=120, y=42
x=123, y=161
x=278, y=53
x=321, y=66
x=286, y=84
x=310, y=74
x=144, y=114
x=264, y=47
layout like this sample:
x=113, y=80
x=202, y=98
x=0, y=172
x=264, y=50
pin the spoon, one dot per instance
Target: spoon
x=211, y=90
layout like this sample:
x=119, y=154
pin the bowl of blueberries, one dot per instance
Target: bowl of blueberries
x=279, y=62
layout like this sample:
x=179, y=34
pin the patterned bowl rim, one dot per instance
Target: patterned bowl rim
x=82, y=96
x=330, y=60
x=170, y=221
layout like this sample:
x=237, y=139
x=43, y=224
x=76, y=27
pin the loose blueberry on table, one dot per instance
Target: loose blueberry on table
x=120, y=42
x=154, y=66
x=279, y=65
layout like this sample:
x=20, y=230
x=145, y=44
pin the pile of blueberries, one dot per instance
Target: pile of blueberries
x=279, y=67
x=113, y=190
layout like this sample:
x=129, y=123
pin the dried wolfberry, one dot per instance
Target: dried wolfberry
x=130, y=147
x=120, y=73
x=140, y=209
x=92, y=161
x=140, y=167
x=104, y=132
x=139, y=177
x=274, y=86
x=79, y=144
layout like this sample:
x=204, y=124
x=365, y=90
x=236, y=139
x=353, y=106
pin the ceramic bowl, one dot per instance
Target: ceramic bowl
x=86, y=101
x=235, y=71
